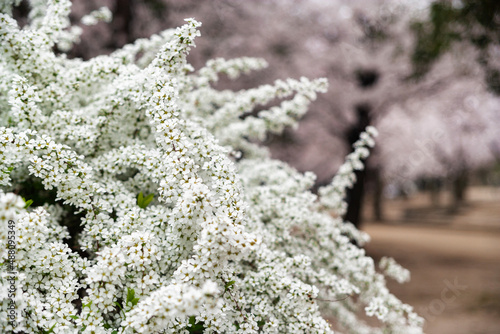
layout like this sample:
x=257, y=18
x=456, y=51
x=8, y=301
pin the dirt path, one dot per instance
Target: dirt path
x=455, y=282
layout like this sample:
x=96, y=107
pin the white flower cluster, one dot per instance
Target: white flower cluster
x=392, y=269
x=332, y=196
x=102, y=14
x=154, y=209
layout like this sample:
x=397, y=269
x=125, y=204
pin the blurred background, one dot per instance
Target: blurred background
x=426, y=74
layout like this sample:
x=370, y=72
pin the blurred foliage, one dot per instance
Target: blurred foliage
x=476, y=21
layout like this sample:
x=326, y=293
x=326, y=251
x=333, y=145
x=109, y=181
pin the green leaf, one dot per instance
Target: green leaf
x=148, y=199
x=131, y=297
x=9, y=169
x=51, y=330
x=195, y=327
x=142, y=201
x=130, y=294
x=87, y=305
x=74, y=317
x=229, y=285
x=119, y=306
x=27, y=203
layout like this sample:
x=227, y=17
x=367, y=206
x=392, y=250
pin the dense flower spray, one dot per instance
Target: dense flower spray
x=185, y=224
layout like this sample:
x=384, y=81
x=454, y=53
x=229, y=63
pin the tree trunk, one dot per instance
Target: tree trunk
x=356, y=193
x=459, y=190
x=367, y=79
x=435, y=191
x=123, y=17
x=355, y=197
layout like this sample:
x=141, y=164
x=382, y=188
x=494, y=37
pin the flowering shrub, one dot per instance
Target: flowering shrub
x=184, y=224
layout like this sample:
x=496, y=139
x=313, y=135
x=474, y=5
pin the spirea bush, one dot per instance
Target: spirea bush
x=135, y=197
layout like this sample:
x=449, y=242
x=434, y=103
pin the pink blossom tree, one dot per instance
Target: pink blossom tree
x=365, y=48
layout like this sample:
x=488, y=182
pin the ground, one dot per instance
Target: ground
x=454, y=260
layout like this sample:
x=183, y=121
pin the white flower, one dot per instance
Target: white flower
x=377, y=308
